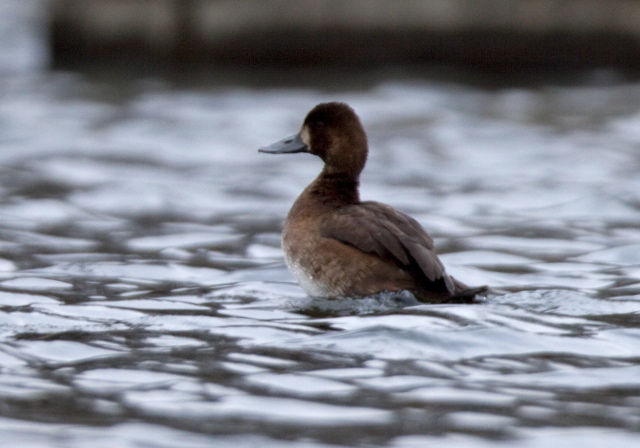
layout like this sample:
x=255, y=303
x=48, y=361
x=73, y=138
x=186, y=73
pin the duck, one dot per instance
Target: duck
x=337, y=246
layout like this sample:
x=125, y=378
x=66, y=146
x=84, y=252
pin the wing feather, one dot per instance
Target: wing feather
x=379, y=229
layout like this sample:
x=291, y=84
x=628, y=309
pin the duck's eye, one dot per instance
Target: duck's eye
x=318, y=124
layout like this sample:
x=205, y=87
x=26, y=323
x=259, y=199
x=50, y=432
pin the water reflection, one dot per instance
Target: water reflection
x=143, y=296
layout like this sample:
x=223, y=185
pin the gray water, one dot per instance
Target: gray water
x=144, y=301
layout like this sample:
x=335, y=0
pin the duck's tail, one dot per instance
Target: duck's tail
x=466, y=294
x=469, y=295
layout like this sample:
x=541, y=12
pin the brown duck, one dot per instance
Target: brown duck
x=337, y=246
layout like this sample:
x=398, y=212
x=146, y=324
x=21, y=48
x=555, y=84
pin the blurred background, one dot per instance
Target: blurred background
x=496, y=35
x=144, y=300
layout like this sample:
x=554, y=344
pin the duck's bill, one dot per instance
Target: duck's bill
x=289, y=145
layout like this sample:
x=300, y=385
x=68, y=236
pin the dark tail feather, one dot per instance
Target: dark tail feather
x=468, y=295
x=465, y=294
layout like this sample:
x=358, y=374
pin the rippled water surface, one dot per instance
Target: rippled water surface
x=144, y=301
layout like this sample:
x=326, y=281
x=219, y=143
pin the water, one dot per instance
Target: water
x=144, y=301
x=23, y=36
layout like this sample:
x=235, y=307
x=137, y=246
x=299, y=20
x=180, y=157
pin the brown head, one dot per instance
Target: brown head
x=333, y=132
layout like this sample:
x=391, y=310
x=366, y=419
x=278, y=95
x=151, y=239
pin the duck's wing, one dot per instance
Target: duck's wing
x=379, y=229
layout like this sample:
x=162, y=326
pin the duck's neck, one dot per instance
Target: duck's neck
x=336, y=187
x=328, y=191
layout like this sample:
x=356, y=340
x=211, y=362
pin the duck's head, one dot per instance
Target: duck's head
x=333, y=132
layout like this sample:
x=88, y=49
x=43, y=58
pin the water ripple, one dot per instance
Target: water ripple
x=144, y=299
